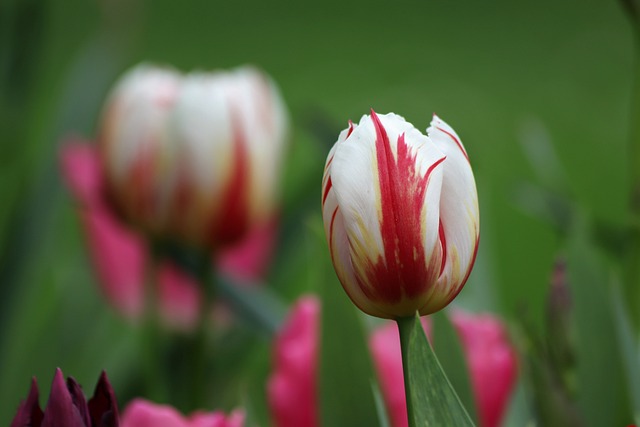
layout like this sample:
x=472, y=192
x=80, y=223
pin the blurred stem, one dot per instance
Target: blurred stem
x=155, y=376
x=200, y=350
x=633, y=255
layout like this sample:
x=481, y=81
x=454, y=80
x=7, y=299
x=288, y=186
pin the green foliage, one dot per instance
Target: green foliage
x=431, y=399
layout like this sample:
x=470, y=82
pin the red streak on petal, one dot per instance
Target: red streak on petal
x=333, y=218
x=403, y=271
x=458, y=143
x=328, y=163
x=326, y=190
x=233, y=220
x=351, y=128
x=443, y=246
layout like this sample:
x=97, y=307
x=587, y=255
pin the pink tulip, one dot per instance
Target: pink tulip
x=492, y=363
x=141, y=413
x=490, y=358
x=291, y=389
x=120, y=255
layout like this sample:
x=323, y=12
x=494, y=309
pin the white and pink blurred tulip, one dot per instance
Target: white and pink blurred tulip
x=142, y=413
x=401, y=215
x=291, y=389
x=167, y=165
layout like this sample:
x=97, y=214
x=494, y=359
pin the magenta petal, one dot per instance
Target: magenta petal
x=60, y=410
x=82, y=171
x=119, y=258
x=29, y=413
x=141, y=413
x=103, y=406
x=79, y=401
x=291, y=389
x=178, y=298
x=492, y=363
x=247, y=261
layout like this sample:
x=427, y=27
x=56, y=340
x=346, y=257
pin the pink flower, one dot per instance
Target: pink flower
x=120, y=255
x=141, y=413
x=291, y=389
x=492, y=363
x=490, y=358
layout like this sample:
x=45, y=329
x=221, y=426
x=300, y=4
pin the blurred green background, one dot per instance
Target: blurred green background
x=513, y=79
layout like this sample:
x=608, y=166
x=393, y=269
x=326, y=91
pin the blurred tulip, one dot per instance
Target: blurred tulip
x=120, y=255
x=68, y=407
x=401, y=215
x=194, y=157
x=141, y=413
x=292, y=386
x=291, y=390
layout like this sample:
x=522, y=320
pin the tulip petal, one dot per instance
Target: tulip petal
x=386, y=177
x=291, y=389
x=79, y=401
x=141, y=413
x=60, y=410
x=103, y=406
x=82, y=171
x=459, y=211
x=119, y=258
x=29, y=413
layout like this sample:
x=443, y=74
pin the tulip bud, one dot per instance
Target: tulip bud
x=67, y=406
x=401, y=215
x=195, y=157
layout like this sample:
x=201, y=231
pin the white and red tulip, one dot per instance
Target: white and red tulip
x=194, y=157
x=401, y=215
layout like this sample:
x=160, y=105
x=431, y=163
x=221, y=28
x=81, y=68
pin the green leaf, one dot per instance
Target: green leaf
x=431, y=400
x=628, y=348
x=603, y=399
x=346, y=370
x=447, y=344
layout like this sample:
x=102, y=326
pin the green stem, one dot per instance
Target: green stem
x=152, y=346
x=431, y=400
x=200, y=350
x=405, y=327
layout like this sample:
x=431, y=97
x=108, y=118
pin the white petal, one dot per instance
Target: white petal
x=458, y=207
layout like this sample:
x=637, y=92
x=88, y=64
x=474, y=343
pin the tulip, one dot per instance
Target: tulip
x=291, y=390
x=120, y=257
x=194, y=157
x=141, y=413
x=68, y=407
x=401, y=216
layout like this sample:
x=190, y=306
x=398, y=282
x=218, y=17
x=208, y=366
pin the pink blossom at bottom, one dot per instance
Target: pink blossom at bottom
x=491, y=361
x=142, y=413
x=291, y=390
x=292, y=386
x=120, y=257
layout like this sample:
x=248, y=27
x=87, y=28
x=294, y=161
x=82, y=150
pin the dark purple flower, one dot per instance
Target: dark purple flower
x=67, y=406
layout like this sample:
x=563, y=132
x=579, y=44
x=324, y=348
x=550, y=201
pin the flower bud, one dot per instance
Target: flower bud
x=195, y=157
x=67, y=406
x=401, y=215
